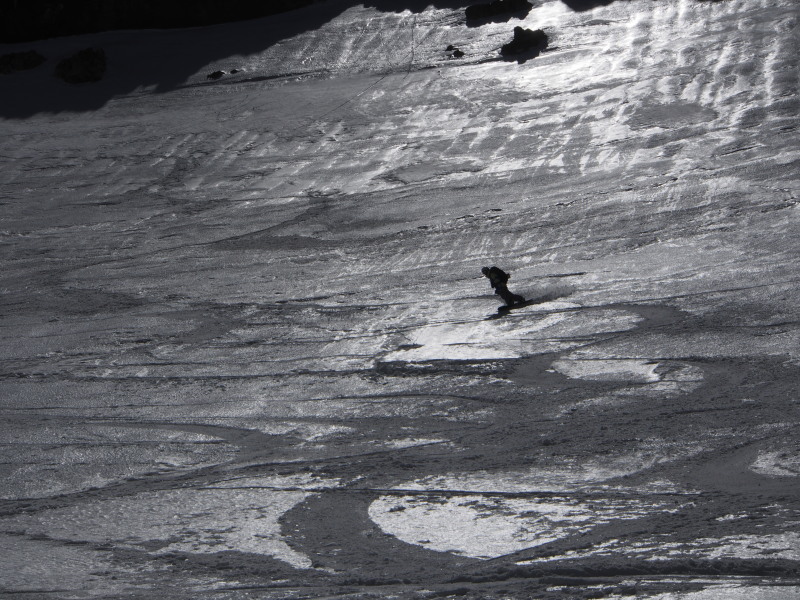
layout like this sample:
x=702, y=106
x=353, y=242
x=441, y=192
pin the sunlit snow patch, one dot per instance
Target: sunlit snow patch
x=634, y=370
x=412, y=442
x=192, y=520
x=568, y=476
x=75, y=457
x=783, y=545
x=774, y=546
x=777, y=464
x=474, y=340
x=488, y=514
x=486, y=526
x=736, y=592
x=299, y=481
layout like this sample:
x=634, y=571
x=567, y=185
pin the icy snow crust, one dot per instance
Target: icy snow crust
x=247, y=350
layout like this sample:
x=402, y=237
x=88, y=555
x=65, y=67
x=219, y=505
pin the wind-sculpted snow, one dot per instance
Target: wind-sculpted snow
x=247, y=349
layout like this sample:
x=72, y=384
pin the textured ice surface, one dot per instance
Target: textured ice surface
x=191, y=520
x=609, y=370
x=785, y=463
x=735, y=591
x=245, y=310
x=480, y=340
x=449, y=514
x=68, y=457
x=487, y=526
x=568, y=475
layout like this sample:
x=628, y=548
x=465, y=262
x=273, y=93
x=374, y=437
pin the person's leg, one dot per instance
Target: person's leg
x=506, y=295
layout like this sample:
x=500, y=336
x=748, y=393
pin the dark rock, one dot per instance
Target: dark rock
x=20, y=61
x=215, y=75
x=85, y=66
x=584, y=5
x=526, y=41
x=234, y=71
x=490, y=10
x=455, y=52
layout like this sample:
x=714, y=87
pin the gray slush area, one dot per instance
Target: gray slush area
x=248, y=352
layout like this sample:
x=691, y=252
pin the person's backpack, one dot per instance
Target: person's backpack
x=497, y=274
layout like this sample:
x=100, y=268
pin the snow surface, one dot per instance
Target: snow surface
x=247, y=350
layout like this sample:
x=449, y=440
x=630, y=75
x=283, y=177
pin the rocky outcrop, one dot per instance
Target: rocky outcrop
x=498, y=8
x=454, y=52
x=214, y=75
x=584, y=5
x=20, y=61
x=86, y=66
x=526, y=42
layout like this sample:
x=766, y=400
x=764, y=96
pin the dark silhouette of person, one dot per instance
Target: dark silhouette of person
x=499, y=281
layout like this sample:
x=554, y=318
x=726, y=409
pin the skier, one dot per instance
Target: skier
x=499, y=281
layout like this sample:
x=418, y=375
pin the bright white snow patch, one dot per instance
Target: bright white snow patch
x=737, y=592
x=194, y=521
x=567, y=476
x=477, y=514
x=777, y=464
x=636, y=370
x=474, y=340
x=784, y=545
x=486, y=526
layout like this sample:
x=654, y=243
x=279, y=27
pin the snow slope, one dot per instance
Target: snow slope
x=247, y=348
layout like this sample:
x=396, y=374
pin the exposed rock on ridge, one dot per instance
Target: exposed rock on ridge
x=526, y=42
